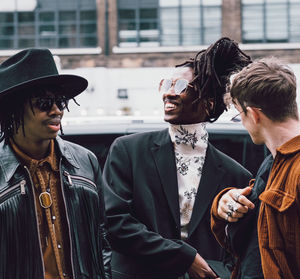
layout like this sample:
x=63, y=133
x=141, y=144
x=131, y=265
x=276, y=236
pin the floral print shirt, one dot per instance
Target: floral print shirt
x=190, y=145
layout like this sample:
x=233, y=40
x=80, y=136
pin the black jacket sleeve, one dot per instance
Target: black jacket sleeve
x=242, y=236
x=106, y=248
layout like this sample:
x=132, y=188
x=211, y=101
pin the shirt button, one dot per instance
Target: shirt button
x=64, y=274
x=59, y=246
x=53, y=218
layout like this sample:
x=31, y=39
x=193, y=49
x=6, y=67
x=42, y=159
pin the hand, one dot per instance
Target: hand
x=200, y=269
x=233, y=205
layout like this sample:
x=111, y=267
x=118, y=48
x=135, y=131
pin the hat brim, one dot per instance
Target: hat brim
x=72, y=85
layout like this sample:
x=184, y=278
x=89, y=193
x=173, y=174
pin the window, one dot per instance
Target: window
x=168, y=22
x=122, y=93
x=266, y=21
x=43, y=23
x=138, y=23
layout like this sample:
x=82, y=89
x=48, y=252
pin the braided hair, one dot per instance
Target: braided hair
x=12, y=115
x=212, y=69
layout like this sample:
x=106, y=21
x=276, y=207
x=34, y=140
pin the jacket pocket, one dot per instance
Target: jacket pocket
x=278, y=220
x=279, y=200
x=80, y=181
x=18, y=188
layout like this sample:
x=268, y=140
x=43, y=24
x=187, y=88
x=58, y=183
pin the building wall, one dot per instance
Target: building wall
x=231, y=19
x=231, y=27
x=113, y=57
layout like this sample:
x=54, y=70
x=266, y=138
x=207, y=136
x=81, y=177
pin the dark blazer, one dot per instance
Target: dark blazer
x=142, y=206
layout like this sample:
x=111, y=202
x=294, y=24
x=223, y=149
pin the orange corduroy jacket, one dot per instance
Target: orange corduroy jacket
x=279, y=216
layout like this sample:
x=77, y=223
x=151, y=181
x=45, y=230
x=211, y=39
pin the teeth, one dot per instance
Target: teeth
x=168, y=105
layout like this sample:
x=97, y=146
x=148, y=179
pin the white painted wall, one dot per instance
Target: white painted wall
x=100, y=98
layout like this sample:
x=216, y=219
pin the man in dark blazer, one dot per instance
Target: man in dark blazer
x=159, y=185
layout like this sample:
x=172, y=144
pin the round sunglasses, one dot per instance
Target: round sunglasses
x=180, y=85
x=46, y=103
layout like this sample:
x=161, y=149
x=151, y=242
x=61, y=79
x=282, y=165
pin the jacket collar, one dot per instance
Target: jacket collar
x=290, y=146
x=66, y=153
x=163, y=155
x=9, y=162
x=213, y=172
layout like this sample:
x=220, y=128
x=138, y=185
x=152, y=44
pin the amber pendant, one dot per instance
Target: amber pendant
x=45, y=200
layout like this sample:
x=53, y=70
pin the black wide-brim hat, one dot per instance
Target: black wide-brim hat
x=36, y=67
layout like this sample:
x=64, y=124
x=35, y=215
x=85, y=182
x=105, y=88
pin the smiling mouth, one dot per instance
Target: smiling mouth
x=170, y=106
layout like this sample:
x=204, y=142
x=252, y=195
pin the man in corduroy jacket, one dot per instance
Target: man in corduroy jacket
x=264, y=93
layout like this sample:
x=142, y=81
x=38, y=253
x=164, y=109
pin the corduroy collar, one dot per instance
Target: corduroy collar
x=291, y=146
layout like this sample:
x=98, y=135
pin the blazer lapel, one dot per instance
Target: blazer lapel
x=211, y=177
x=164, y=158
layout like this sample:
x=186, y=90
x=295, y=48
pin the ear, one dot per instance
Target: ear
x=254, y=114
x=210, y=103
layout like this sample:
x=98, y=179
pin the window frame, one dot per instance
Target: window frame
x=136, y=35
x=52, y=38
x=266, y=36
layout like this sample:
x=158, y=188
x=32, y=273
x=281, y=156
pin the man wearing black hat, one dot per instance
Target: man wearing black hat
x=52, y=219
x=159, y=185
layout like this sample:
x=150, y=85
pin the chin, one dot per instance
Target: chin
x=170, y=119
x=52, y=136
x=257, y=141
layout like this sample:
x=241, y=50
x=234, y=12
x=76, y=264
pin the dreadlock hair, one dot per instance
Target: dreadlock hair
x=12, y=109
x=212, y=69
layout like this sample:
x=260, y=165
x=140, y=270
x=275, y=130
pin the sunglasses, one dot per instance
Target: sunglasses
x=180, y=85
x=46, y=103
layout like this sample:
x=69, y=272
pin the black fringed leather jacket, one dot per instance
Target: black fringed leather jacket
x=20, y=251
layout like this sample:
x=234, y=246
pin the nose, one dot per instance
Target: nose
x=55, y=110
x=170, y=92
x=171, y=89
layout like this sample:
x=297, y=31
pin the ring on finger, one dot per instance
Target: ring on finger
x=232, y=206
x=236, y=197
x=229, y=213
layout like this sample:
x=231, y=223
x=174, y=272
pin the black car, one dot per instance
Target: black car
x=97, y=134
